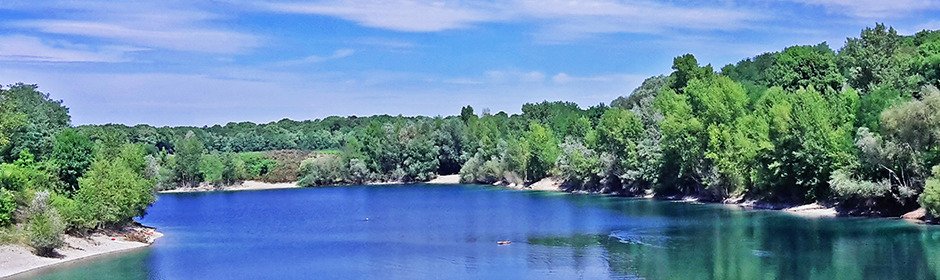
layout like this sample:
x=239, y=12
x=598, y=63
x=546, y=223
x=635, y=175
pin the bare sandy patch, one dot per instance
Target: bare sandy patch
x=243, y=186
x=812, y=210
x=446, y=180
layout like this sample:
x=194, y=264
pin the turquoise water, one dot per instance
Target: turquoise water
x=450, y=232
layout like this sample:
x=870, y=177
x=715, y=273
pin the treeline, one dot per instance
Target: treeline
x=857, y=127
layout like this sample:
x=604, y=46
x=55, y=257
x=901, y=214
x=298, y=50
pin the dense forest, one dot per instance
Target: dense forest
x=857, y=127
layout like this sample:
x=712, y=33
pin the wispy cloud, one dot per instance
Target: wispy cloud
x=402, y=15
x=338, y=54
x=569, y=17
x=32, y=49
x=874, y=9
x=158, y=25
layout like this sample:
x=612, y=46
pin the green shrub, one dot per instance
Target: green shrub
x=256, y=164
x=845, y=187
x=930, y=199
x=322, y=170
x=7, y=207
x=45, y=227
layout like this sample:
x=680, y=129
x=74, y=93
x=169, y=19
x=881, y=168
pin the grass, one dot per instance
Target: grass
x=13, y=234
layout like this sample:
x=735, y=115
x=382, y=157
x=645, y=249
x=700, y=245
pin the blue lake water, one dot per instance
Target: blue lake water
x=451, y=232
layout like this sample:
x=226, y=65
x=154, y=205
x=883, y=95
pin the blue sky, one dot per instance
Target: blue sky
x=212, y=62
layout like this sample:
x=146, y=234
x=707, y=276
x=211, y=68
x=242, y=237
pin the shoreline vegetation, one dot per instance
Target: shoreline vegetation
x=809, y=129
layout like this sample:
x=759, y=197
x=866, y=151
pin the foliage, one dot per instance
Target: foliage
x=880, y=57
x=34, y=121
x=7, y=206
x=112, y=192
x=322, y=170
x=188, y=156
x=930, y=199
x=803, y=67
x=71, y=155
x=45, y=226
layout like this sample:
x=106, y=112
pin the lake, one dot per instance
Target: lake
x=451, y=232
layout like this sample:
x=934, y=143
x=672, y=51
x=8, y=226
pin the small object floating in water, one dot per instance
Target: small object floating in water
x=503, y=242
x=366, y=220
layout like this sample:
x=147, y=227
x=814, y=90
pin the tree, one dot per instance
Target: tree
x=211, y=168
x=112, y=192
x=649, y=88
x=188, y=155
x=544, y=151
x=872, y=104
x=71, y=155
x=880, y=57
x=805, y=67
x=687, y=69
x=35, y=120
x=466, y=114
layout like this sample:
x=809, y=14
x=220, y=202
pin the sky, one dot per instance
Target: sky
x=200, y=63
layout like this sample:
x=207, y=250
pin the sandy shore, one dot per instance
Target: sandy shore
x=16, y=259
x=446, y=180
x=243, y=186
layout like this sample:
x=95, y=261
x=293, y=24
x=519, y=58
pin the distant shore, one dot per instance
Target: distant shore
x=17, y=259
x=812, y=210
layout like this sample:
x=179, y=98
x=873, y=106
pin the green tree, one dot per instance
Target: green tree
x=112, y=192
x=35, y=120
x=544, y=151
x=211, y=168
x=805, y=67
x=880, y=57
x=687, y=69
x=71, y=155
x=189, y=152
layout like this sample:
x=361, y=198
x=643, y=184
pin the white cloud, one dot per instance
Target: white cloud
x=401, y=15
x=609, y=16
x=569, y=17
x=338, y=54
x=32, y=49
x=513, y=76
x=874, y=9
x=158, y=25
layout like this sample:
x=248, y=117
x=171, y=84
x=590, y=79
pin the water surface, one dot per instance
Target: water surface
x=450, y=232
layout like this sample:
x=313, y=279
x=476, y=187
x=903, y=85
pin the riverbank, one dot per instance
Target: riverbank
x=243, y=186
x=16, y=259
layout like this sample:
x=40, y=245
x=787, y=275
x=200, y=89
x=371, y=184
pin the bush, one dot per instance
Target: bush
x=7, y=207
x=256, y=164
x=45, y=226
x=477, y=170
x=322, y=170
x=845, y=187
x=930, y=199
